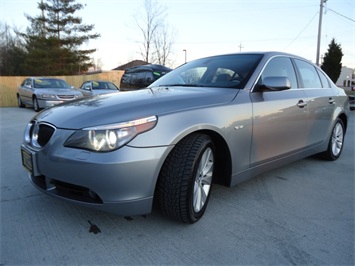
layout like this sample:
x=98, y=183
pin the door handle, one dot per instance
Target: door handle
x=331, y=101
x=301, y=103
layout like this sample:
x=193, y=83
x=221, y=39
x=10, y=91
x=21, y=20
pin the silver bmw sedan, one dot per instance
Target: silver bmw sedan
x=221, y=119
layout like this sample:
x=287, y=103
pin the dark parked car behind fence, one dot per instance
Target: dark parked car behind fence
x=142, y=76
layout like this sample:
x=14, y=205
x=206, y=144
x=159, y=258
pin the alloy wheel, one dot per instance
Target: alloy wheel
x=203, y=180
x=337, y=139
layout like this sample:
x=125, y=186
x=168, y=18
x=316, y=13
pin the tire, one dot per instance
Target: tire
x=35, y=105
x=186, y=178
x=19, y=102
x=336, y=142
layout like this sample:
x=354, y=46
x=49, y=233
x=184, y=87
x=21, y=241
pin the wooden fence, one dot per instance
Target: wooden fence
x=9, y=85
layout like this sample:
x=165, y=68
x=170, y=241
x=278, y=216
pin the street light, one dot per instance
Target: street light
x=185, y=54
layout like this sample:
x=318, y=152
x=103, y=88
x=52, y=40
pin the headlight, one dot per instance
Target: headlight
x=48, y=96
x=110, y=137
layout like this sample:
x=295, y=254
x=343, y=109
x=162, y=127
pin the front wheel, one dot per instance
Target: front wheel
x=186, y=178
x=336, y=142
x=35, y=105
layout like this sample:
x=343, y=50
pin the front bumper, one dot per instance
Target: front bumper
x=121, y=182
x=42, y=103
x=46, y=103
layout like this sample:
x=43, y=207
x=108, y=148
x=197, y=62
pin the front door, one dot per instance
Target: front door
x=279, y=117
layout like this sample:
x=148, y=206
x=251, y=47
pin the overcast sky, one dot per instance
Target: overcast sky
x=206, y=27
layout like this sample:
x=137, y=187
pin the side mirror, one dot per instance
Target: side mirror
x=276, y=83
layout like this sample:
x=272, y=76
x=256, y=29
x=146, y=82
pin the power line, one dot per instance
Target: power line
x=302, y=30
x=341, y=15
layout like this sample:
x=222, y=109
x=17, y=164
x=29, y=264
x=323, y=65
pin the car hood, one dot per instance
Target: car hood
x=126, y=106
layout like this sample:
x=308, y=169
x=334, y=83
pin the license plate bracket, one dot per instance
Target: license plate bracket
x=27, y=160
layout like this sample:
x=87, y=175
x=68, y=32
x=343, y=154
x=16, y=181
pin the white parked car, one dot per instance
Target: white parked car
x=40, y=92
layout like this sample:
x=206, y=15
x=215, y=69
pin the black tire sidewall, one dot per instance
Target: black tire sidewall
x=19, y=102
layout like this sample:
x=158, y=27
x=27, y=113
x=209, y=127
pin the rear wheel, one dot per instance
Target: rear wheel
x=35, y=104
x=186, y=178
x=336, y=142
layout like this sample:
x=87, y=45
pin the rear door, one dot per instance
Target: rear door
x=321, y=101
x=279, y=117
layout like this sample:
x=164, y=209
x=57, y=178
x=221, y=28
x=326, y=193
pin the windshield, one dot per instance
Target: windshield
x=227, y=71
x=50, y=84
x=98, y=85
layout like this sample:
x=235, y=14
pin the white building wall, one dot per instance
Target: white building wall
x=346, y=78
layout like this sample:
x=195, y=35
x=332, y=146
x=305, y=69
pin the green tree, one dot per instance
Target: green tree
x=53, y=41
x=332, y=61
x=46, y=57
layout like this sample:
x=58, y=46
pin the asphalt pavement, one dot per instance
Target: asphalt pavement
x=300, y=214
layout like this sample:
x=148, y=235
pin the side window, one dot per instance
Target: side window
x=140, y=78
x=95, y=85
x=309, y=75
x=86, y=86
x=149, y=78
x=134, y=79
x=324, y=79
x=28, y=82
x=281, y=67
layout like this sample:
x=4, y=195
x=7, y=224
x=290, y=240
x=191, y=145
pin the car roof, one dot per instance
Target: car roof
x=97, y=80
x=265, y=53
x=45, y=78
x=149, y=67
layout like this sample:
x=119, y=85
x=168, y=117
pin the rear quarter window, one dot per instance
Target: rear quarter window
x=308, y=74
x=324, y=80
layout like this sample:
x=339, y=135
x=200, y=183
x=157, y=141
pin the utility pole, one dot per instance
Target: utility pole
x=240, y=47
x=320, y=29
